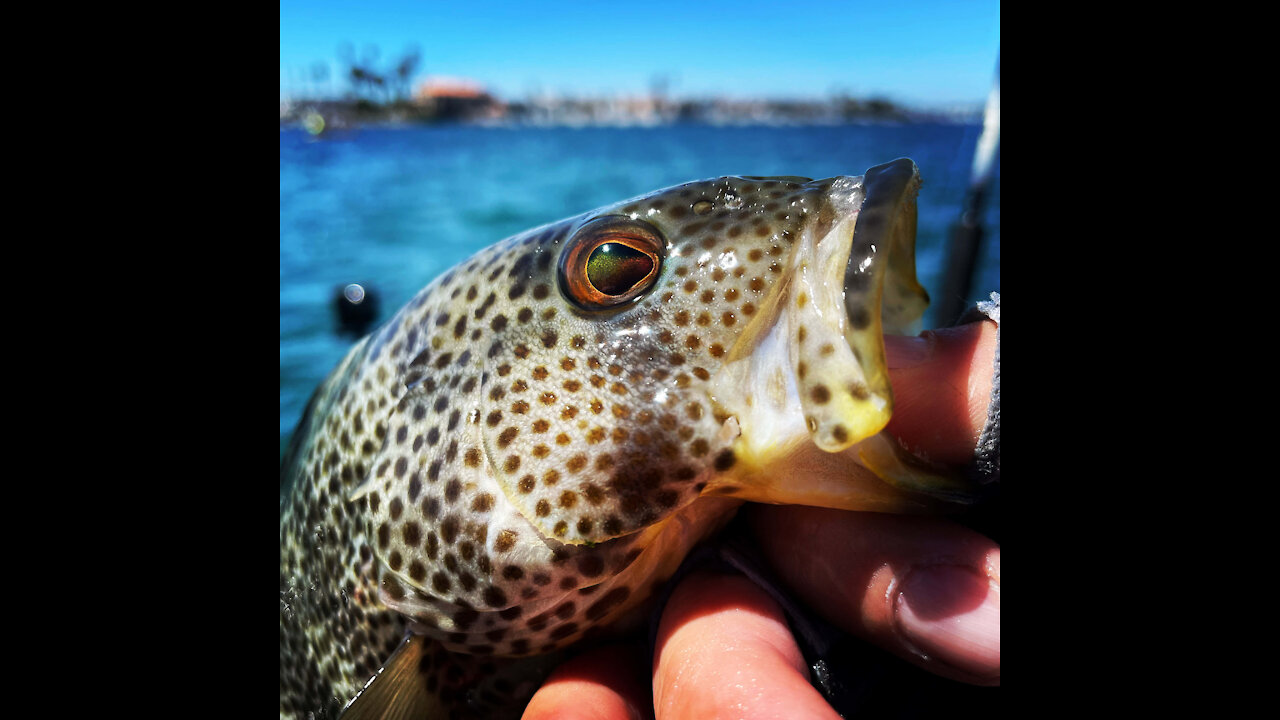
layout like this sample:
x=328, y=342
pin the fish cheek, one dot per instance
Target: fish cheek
x=580, y=433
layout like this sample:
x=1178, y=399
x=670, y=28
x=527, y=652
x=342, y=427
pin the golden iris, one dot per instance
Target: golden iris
x=609, y=261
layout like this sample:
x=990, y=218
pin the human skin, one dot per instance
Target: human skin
x=925, y=589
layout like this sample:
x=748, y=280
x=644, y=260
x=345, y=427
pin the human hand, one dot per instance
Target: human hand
x=925, y=589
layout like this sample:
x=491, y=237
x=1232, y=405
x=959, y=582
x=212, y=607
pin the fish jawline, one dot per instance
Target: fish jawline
x=807, y=387
x=760, y=382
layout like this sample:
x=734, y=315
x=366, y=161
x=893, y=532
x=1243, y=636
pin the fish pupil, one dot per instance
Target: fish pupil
x=614, y=268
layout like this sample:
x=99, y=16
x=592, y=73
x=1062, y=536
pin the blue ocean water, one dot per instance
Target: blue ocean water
x=393, y=208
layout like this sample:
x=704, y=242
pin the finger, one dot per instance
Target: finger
x=724, y=645
x=926, y=589
x=941, y=389
x=606, y=683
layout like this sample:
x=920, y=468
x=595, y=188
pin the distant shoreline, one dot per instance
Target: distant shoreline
x=507, y=125
x=323, y=116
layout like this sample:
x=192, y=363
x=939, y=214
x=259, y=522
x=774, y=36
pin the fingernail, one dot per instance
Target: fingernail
x=952, y=614
x=907, y=352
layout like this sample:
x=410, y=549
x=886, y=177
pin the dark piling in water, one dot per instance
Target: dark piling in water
x=355, y=308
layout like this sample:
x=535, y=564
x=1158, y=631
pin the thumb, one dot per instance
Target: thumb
x=941, y=389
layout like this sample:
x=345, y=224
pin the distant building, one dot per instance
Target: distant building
x=456, y=99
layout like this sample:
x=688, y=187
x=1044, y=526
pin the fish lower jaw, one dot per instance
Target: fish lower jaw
x=779, y=461
x=778, y=458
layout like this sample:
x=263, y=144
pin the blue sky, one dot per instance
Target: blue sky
x=925, y=54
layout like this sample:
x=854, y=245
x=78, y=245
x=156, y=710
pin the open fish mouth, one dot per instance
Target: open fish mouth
x=807, y=387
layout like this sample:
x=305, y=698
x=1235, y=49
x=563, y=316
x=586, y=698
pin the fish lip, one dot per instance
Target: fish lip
x=886, y=217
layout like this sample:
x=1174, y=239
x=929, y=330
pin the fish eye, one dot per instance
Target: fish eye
x=610, y=261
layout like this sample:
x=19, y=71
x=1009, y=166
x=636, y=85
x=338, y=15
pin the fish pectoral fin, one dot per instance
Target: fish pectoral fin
x=399, y=690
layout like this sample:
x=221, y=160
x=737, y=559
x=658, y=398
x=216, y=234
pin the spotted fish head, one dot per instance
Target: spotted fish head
x=570, y=410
